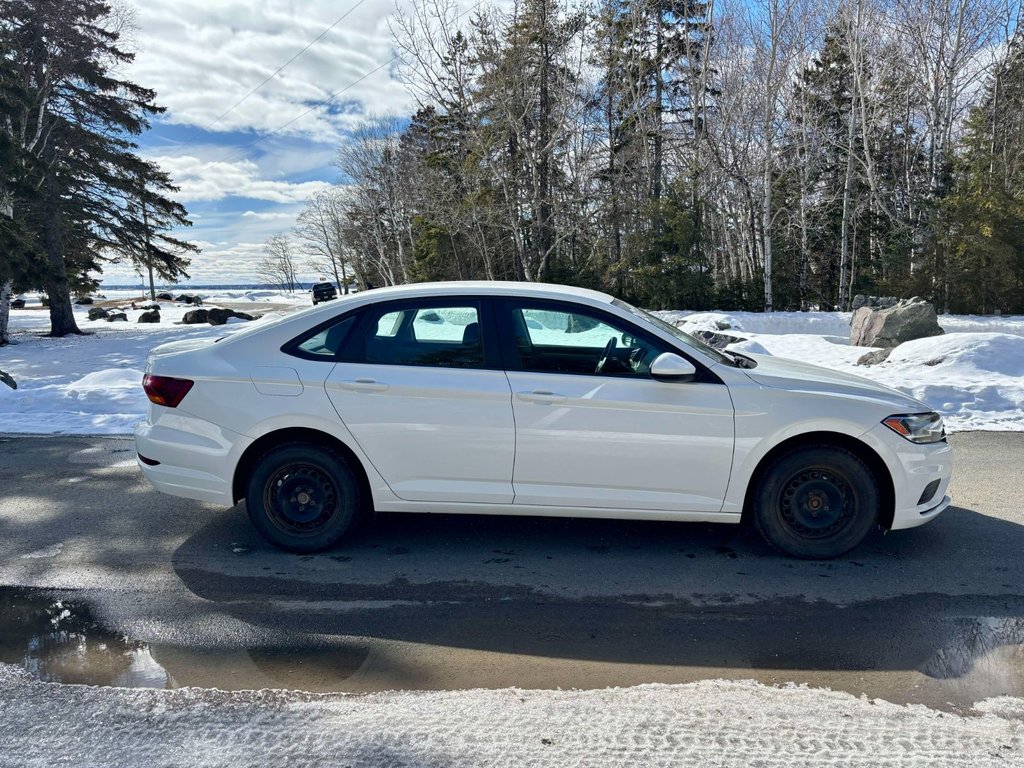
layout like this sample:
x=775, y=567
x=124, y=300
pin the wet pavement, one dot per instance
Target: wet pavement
x=104, y=582
x=908, y=650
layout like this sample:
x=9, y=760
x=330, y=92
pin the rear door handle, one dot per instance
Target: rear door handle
x=541, y=396
x=363, y=385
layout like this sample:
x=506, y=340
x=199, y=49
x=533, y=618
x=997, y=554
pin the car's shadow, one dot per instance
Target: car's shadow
x=932, y=599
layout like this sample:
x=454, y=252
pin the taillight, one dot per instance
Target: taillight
x=165, y=390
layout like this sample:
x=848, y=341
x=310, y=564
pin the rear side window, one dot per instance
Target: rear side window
x=323, y=343
x=442, y=337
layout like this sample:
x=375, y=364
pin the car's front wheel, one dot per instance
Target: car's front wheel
x=816, y=502
x=303, y=497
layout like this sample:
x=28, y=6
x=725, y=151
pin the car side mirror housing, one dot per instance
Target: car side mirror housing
x=668, y=366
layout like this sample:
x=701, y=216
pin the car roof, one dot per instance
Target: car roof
x=487, y=287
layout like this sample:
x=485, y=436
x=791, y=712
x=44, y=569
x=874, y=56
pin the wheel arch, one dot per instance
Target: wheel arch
x=264, y=443
x=858, y=448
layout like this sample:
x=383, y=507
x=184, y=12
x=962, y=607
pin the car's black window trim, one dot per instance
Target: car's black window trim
x=503, y=309
x=489, y=335
x=291, y=347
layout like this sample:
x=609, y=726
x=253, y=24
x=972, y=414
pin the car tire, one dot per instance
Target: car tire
x=816, y=502
x=304, y=498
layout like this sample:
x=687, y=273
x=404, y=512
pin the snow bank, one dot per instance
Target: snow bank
x=711, y=723
x=975, y=380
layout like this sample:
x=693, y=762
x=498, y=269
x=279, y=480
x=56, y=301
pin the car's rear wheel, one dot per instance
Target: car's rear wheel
x=304, y=498
x=816, y=502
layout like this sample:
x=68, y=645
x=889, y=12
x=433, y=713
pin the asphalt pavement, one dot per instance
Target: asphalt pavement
x=155, y=591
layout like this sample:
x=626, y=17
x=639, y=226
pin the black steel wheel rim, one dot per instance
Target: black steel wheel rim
x=817, y=503
x=300, y=499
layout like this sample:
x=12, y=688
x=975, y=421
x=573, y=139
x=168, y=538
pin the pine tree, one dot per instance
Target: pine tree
x=96, y=198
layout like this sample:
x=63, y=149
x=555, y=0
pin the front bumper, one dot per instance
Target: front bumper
x=913, y=467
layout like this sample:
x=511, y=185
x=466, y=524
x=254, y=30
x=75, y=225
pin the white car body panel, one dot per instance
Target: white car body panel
x=461, y=440
x=434, y=434
x=618, y=442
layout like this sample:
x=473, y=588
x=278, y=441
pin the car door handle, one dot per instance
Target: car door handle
x=540, y=396
x=363, y=385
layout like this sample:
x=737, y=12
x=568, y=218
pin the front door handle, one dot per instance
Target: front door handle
x=541, y=396
x=363, y=385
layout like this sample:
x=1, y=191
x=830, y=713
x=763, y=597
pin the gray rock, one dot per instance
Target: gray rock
x=196, y=316
x=97, y=313
x=152, y=316
x=716, y=340
x=723, y=325
x=876, y=357
x=17, y=303
x=218, y=316
x=7, y=379
x=116, y=316
x=875, y=302
x=908, y=319
x=150, y=305
x=165, y=296
x=83, y=300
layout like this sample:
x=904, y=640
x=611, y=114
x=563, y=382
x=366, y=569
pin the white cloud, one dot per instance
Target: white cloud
x=202, y=56
x=201, y=180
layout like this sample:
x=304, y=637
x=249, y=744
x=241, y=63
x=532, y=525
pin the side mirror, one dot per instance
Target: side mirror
x=669, y=366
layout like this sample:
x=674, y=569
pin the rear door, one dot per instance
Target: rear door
x=422, y=390
x=594, y=429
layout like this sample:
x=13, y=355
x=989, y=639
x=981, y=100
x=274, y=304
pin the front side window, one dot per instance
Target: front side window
x=439, y=336
x=558, y=339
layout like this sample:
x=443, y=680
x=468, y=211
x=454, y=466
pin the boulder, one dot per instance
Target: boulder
x=97, y=313
x=908, y=319
x=150, y=305
x=715, y=340
x=7, y=379
x=874, y=358
x=116, y=316
x=83, y=300
x=165, y=296
x=196, y=316
x=17, y=303
x=151, y=316
x=875, y=302
x=218, y=316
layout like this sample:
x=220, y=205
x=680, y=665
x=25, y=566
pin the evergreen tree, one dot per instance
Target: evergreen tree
x=96, y=199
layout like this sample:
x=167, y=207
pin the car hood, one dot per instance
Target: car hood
x=793, y=375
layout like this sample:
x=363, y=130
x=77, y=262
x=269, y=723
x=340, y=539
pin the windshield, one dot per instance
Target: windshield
x=683, y=336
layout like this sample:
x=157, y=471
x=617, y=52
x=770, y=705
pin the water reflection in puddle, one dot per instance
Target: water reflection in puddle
x=58, y=640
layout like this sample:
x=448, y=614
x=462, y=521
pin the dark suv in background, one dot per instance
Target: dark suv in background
x=323, y=292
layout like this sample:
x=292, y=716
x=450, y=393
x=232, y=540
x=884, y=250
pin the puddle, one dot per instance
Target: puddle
x=926, y=649
x=58, y=640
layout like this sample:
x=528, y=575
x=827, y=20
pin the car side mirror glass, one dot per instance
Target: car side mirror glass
x=671, y=367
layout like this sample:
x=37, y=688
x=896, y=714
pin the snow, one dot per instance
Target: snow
x=710, y=723
x=973, y=375
x=88, y=384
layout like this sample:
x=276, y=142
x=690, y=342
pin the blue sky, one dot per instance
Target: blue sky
x=241, y=178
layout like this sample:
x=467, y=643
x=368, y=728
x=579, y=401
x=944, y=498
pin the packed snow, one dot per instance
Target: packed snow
x=710, y=723
x=973, y=375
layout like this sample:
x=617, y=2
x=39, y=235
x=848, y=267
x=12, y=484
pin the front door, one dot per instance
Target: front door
x=593, y=429
x=422, y=392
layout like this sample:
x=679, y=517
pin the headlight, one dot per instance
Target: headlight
x=918, y=427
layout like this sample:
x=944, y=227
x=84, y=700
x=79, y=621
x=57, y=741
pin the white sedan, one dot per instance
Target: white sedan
x=528, y=399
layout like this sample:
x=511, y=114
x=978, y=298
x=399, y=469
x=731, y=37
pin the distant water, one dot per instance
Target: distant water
x=199, y=287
